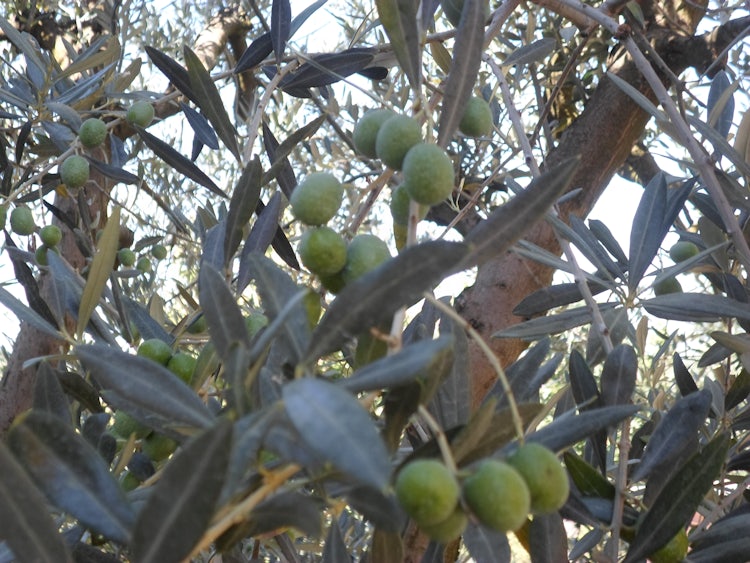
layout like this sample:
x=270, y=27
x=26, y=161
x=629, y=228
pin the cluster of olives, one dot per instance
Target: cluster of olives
x=427, y=170
x=323, y=251
x=499, y=494
x=679, y=252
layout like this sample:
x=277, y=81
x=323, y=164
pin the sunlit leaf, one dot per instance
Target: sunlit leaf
x=399, y=19
x=100, y=270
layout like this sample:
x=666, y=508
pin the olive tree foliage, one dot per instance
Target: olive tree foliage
x=290, y=419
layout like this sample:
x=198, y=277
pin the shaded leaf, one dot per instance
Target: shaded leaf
x=174, y=71
x=210, y=101
x=317, y=409
x=486, y=545
x=648, y=228
x=260, y=237
x=720, y=103
x=592, y=249
x=679, y=499
x=548, y=541
x=144, y=322
x=280, y=162
x=114, y=172
x=589, y=481
x=48, y=394
x=544, y=326
x=382, y=509
x=570, y=429
x=696, y=307
x=99, y=271
x=145, y=383
x=200, y=126
x=277, y=291
x=327, y=68
x=181, y=504
x=180, y=163
x=582, y=383
x=226, y=325
x=608, y=240
x=374, y=297
x=676, y=433
x=738, y=391
x=244, y=200
x=285, y=175
x=71, y=474
x=531, y=53
x=281, y=21
x=398, y=369
x=451, y=405
x=288, y=509
x=399, y=19
x=509, y=222
x=26, y=314
x=467, y=56
x=553, y=296
x=335, y=549
x=619, y=375
x=25, y=522
x=255, y=53
x=683, y=378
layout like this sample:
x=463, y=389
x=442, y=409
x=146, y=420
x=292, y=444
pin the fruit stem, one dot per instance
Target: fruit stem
x=442, y=441
x=491, y=357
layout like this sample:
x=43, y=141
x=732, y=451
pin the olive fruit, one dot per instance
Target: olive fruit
x=323, y=251
x=158, y=446
x=155, y=349
x=51, y=235
x=159, y=251
x=477, y=118
x=497, y=495
x=317, y=198
x=182, y=365
x=74, y=171
x=400, y=201
x=683, y=250
x=126, y=257
x=254, y=322
x=198, y=326
x=427, y=490
x=675, y=549
x=428, y=174
x=395, y=137
x=364, y=253
x=140, y=113
x=668, y=285
x=144, y=265
x=92, y=132
x=41, y=254
x=22, y=220
x=544, y=475
x=366, y=130
x=449, y=529
x=124, y=425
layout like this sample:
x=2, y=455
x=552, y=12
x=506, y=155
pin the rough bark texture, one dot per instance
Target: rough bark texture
x=603, y=135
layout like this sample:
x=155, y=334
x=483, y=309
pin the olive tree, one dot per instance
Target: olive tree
x=216, y=352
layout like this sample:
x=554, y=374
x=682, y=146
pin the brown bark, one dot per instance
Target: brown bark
x=603, y=135
x=16, y=390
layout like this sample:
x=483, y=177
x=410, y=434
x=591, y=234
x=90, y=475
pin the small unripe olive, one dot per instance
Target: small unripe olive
x=159, y=251
x=544, y=475
x=317, y=198
x=427, y=490
x=92, y=133
x=395, y=137
x=51, y=235
x=140, y=113
x=22, y=221
x=366, y=130
x=155, y=349
x=126, y=257
x=498, y=496
x=74, y=171
x=323, y=251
